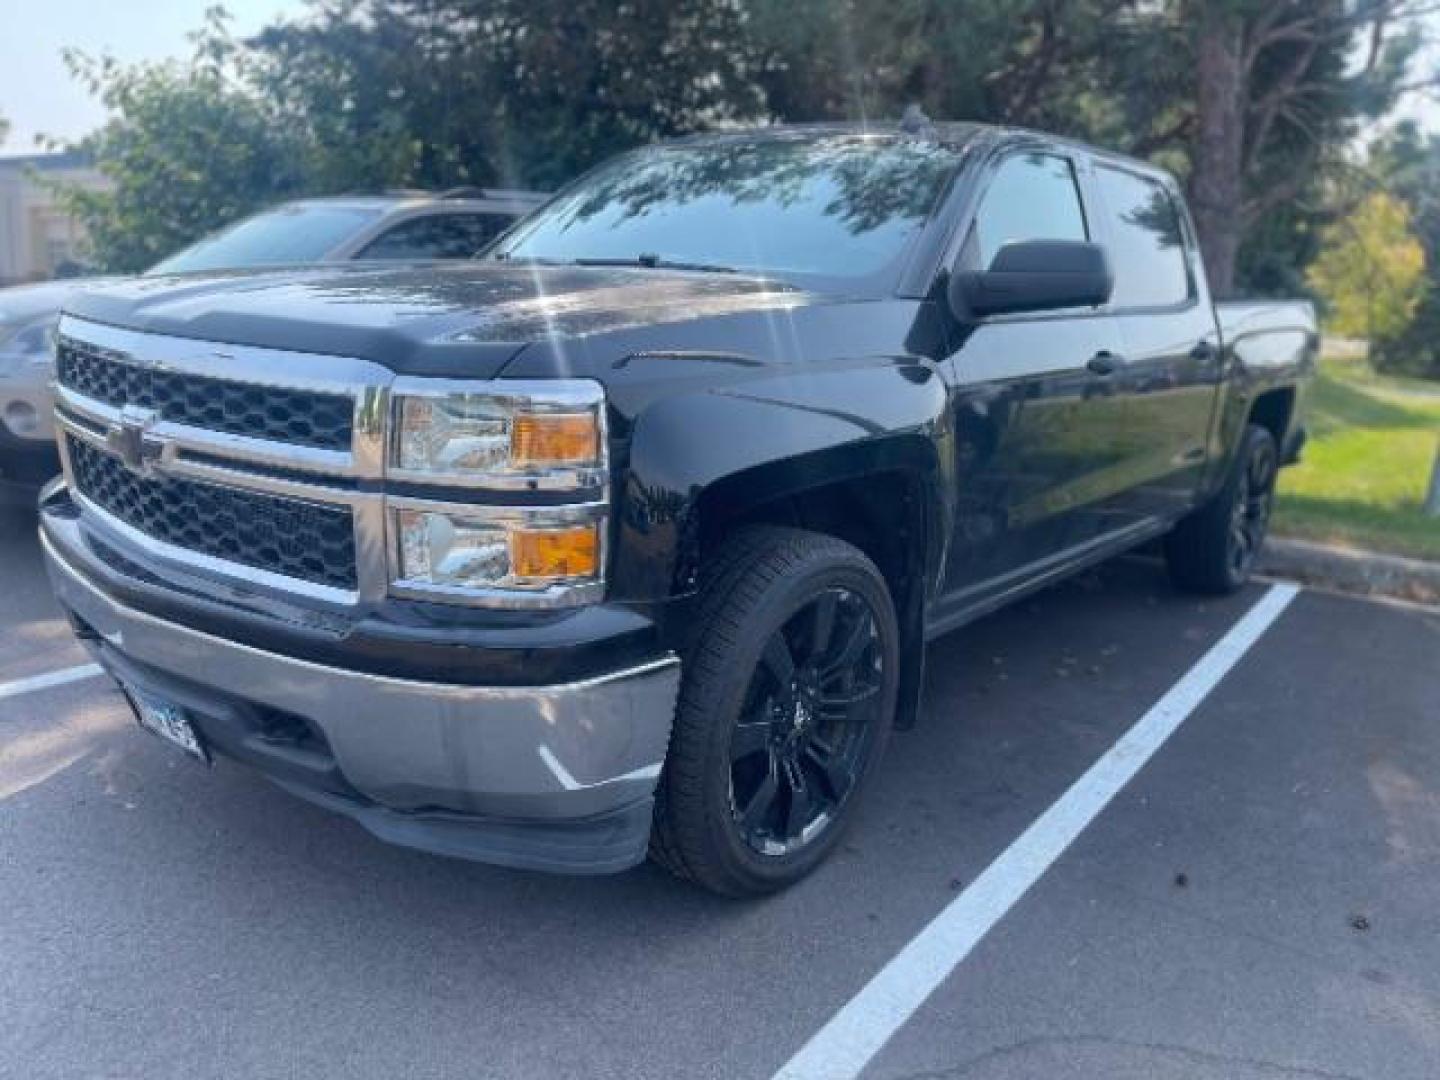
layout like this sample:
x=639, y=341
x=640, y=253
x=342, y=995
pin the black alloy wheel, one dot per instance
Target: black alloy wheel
x=1214, y=549
x=801, y=739
x=787, y=697
x=1250, y=513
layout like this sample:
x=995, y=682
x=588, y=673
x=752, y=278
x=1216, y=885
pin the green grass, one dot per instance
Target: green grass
x=1367, y=465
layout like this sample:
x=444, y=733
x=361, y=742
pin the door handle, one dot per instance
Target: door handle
x=1103, y=362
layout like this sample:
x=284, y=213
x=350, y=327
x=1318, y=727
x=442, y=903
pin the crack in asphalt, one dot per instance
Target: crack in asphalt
x=1189, y=1053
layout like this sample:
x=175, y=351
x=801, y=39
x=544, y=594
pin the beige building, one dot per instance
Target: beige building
x=37, y=237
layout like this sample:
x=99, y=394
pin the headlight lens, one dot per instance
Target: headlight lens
x=462, y=433
x=510, y=435
x=529, y=433
x=449, y=550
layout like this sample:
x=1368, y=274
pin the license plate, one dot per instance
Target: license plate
x=168, y=720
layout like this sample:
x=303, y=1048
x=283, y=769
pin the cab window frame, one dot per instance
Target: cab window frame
x=986, y=173
x=993, y=177
x=1105, y=218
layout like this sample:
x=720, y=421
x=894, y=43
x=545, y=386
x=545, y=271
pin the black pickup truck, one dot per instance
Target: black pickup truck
x=630, y=535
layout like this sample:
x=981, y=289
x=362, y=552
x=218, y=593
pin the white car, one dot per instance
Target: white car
x=407, y=226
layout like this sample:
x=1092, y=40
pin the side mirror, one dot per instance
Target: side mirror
x=1035, y=275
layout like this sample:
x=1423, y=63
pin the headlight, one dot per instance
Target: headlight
x=520, y=435
x=455, y=550
x=507, y=435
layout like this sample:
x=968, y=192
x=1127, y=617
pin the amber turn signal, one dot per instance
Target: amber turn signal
x=554, y=439
x=555, y=554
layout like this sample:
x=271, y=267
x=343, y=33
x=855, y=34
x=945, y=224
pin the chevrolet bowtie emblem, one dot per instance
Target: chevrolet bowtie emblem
x=132, y=442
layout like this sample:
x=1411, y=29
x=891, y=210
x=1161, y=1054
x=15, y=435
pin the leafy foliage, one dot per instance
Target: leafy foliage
x=1252, y=101
x=1408, y=165
x=996, y=60
x=191, y=148
x=524, y=92
x=1371, y=271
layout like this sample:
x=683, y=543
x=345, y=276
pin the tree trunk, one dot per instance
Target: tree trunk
x=1218, y=145
x=1432, y=500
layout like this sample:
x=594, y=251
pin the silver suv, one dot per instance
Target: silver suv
x=401, y=226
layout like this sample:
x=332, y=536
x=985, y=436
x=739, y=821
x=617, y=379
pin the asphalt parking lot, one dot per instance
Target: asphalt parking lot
x=1261, y=901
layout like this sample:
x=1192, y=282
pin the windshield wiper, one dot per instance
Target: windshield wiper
x=655, y=262
x=505, y=256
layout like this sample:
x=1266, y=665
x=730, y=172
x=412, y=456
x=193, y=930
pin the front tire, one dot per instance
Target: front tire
x=786, y=704
x=1214, y=550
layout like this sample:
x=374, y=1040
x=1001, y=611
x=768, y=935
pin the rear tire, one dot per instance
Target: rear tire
x=1214, y=550
x=786, y=703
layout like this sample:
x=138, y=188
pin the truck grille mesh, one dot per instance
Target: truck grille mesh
x=299, y=417
x=297, y=539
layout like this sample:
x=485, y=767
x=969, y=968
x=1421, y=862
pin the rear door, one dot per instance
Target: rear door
x=1034, y=422
x=1171, y=364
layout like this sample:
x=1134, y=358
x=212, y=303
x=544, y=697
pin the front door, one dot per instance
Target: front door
x=1034, y=403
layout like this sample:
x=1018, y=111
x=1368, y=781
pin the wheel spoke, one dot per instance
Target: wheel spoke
x=778, y=660
x=1259, y=472
x=764, y=797
x=855, y=643
x=832, y=771
x=824, y=628
x=801, y=806
x=832, y=703
x=751, y=737
x=1242, y=546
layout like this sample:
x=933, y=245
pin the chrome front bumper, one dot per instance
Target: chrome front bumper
x=464, y=770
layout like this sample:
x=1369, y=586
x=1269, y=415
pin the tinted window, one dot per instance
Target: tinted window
x=438, y=236
x=1147, y=248
x=1033, y=197
x=839, y=206
x=287, y=234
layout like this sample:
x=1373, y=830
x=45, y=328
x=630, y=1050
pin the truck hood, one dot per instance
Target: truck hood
x=455, y=319
x=21, y=304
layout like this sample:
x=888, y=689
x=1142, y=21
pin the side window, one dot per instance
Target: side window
x=1033, y=197
x=437, y=236
x=1147, y=247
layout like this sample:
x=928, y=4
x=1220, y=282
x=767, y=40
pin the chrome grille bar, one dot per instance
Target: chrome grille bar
x=228, y=459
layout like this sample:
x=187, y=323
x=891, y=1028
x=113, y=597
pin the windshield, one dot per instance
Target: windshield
x=842, y=206
x=287, y=234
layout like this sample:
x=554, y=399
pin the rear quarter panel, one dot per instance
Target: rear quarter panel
x=1269, y=345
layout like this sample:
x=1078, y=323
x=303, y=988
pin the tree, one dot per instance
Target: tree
x=990, y=60
x=4, y=129
x=1407, y=164
x=442, y=92
x=1252, y=102
x=1272, y=97
x=191, y=148
x=1371, y=271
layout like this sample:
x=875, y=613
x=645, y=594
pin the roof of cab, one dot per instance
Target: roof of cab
x=956, y=134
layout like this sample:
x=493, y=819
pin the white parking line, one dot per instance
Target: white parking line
x=49, y=679
x=855, y=1034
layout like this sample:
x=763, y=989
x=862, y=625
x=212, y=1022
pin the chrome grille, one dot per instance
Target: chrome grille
x=297, y=539
x=324, y=421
